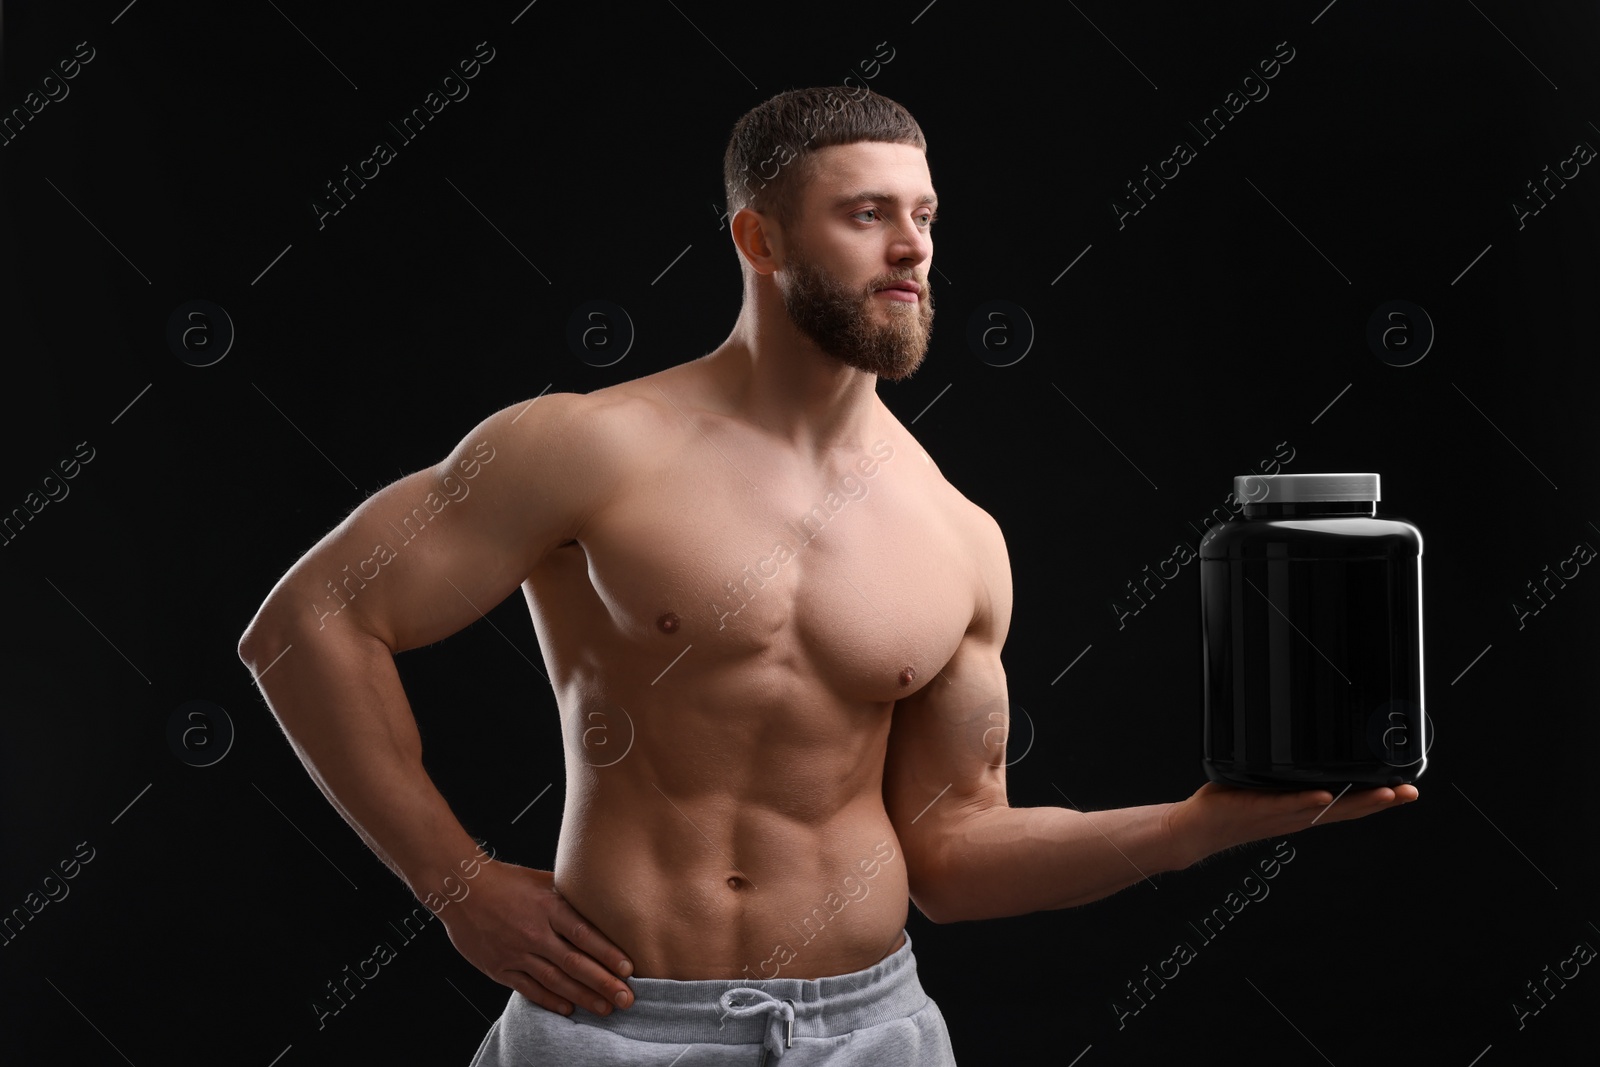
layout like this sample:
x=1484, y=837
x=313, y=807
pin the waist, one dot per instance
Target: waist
x=703, y=1011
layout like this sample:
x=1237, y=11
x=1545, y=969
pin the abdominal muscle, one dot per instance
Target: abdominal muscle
x=714, y=865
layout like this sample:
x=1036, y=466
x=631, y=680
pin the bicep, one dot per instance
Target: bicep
x=947, y=744
x=431, y=553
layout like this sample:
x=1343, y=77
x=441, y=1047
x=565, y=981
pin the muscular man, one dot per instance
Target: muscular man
x=747, y=573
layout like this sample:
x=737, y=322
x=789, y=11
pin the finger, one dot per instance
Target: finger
x=1355, y=805
x=584, y=936
x=535, y=992
x=553, y=977
x=1379, y=798
x=585, y=970
x=1396, y=796
x=1368, y=802
x=584, y=953
x=1287, y=802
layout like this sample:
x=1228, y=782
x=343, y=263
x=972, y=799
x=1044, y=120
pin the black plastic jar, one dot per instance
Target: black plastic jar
x=1311, y=621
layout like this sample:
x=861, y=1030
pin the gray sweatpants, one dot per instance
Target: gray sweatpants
x=879, y=1016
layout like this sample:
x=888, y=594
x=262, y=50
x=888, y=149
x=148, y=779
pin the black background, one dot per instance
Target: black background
x=1224, y=318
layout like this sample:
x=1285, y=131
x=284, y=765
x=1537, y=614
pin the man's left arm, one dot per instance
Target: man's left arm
x=970, y=855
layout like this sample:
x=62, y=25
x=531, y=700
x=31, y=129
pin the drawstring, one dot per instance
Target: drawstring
x=780, y=1026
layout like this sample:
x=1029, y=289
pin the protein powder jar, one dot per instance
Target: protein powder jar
x=1311, y=621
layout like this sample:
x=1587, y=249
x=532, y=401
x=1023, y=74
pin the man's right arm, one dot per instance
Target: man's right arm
x=416, y=562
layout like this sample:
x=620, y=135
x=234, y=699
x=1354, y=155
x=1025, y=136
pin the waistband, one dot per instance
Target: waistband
x=741, y=1011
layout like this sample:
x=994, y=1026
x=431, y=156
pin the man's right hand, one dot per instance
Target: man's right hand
x=514, y=927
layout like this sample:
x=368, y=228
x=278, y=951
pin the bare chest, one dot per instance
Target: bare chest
x=858, y=578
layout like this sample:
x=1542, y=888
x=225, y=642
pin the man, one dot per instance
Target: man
x=750, y=580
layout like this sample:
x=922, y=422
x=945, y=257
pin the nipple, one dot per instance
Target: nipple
x=668, y=623
x=908, y=676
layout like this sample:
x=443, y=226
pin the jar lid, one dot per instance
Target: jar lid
x=1295, y=488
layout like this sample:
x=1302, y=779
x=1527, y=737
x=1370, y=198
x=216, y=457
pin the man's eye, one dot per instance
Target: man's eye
x=925, y=219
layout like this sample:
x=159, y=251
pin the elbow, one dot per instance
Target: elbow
x=930, y=892
x=937, y=910
x=941, y=912
x=252, y=643
x=930, y=911
x=263, y=639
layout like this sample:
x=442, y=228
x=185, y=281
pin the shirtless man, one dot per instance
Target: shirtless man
x=745, y=572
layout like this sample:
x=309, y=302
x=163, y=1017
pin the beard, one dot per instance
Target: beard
x=844, y=323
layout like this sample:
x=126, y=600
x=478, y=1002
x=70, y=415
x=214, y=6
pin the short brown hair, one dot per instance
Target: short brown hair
x=781, y=134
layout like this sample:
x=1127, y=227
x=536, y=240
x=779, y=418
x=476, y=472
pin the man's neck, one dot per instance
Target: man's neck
x=775, y=377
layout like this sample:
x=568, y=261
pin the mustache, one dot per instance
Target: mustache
x=882, y=283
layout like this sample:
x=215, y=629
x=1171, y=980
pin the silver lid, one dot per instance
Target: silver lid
x=1295, y=488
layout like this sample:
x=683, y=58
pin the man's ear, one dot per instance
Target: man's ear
x=758, y=240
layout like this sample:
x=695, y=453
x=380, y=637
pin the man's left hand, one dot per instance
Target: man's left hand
x=1219, y=816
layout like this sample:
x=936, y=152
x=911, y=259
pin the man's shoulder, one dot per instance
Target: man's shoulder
x=608, y=423
x=971, y=531
x=649, y=400
x=975, y=527
x=962, y=510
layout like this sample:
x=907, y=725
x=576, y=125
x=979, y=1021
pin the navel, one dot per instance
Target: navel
x=668, y=623
x=736, y=883
x=908, y=676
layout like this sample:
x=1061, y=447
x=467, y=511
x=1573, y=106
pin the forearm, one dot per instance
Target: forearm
x=338, y=697
x=1012, y=861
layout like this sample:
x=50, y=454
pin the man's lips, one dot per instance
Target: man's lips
x=903, y=291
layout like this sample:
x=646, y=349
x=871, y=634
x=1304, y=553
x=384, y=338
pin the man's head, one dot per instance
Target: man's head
x=771, y=153
x=829, y=194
